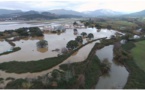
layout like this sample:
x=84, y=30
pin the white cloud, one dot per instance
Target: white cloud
x=78, y=5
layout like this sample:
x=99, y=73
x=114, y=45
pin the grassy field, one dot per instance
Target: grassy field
x=138, y=54
x=136, y=79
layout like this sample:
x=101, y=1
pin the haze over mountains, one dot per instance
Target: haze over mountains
x=62, y=13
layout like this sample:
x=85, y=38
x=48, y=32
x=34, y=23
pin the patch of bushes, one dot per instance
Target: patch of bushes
x=31, y=66
x=91, y=73
x=128, y=46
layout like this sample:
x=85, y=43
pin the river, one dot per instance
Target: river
x=118, y=75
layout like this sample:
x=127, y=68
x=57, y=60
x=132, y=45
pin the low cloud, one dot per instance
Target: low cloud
x=78, y=5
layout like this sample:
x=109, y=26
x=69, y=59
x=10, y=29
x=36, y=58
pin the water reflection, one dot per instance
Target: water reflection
x=37, y=38
x=98, y=30
x=26, y=38
x=58, y=33
x=106, y=75
x=74, y=53
x=42, y=50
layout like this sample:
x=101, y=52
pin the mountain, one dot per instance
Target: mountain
x=35, y=16
x=29, y=12
x=5, y=11
x=137, y=14
x=31, y=15
x=65, y=12
x=103, y=12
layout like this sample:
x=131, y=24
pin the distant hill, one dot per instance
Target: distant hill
x=137, y=14
x=100, y=12
x=60, y=13
x=65, y=12
x=5, y=11
x=103, y=12
x=29, y=12
x=35, y=16
x=30, y=15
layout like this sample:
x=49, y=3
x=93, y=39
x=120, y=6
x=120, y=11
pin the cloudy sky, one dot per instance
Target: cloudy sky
x=77, y=5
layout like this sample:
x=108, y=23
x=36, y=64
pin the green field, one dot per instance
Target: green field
x=136, y=79
x=138, y=54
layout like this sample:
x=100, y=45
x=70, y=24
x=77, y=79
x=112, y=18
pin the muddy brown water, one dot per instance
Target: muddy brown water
x=118, y=75
x=30, y=52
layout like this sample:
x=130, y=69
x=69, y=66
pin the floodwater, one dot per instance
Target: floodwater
x=4, y=46
x=118, y=75
x=19, y=24
x=81, y=55
x=29, y=50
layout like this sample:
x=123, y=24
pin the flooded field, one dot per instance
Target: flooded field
x=29, y=50
x=33, y=23
x=4, y=46
x=117, y=76
x=81, y=55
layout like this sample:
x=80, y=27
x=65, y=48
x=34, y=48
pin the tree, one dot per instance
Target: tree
x=105, y=66
x=90, y=35
x=22, y=31
x=1, y=33
x=72, y=44
x=42, y=44
x=84, y=34
x=55, y=74
x=64, y=50
x=35, y=31
x=86, y=24
x=128, y=36
x=75, y=23
x=98, y=26
x=75, y=30
x=79, y=39
x=109, y=27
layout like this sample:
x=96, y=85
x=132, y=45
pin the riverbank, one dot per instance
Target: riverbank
x=136, y=78
x=90, y=68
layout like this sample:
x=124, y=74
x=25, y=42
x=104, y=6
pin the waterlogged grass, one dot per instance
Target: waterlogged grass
x=31, y=66
x=13, y=50
x=136, y=78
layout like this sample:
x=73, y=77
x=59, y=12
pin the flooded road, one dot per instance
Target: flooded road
x=117, y=76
